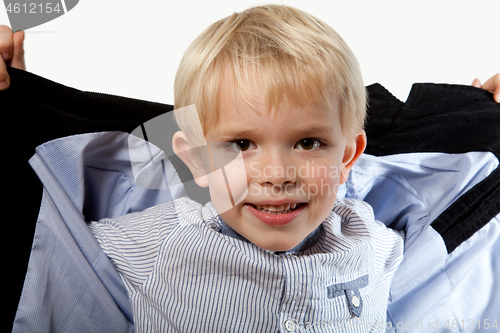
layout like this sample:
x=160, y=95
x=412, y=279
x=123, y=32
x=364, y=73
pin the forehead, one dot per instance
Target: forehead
x=268, y=88
x=236, y=116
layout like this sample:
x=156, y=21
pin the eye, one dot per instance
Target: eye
x=308, y=144
x=240, y=145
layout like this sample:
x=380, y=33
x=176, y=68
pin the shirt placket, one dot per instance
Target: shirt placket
x=296, y=292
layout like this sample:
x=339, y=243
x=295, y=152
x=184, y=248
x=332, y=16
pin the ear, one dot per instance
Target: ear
x=353, y=150
x=190, y=156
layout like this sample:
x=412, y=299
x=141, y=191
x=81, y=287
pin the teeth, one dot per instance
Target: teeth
x=277, y=210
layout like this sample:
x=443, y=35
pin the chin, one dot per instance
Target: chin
x=275, y=246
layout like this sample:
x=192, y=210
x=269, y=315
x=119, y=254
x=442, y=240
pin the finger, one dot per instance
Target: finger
x=476, y=83
x=5, y=53
x=493, y=86
x=4, y=76
x=17, y=60
x=6, y=44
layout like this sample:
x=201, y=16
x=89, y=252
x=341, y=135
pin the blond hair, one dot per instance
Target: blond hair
x=292, y=55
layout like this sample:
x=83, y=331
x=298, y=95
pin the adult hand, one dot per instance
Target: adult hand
x=492, y=85
x=12, y=53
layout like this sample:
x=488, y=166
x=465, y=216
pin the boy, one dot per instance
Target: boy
x=272, y=263
x=279, y=95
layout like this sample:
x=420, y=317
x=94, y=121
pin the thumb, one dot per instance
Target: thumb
x=17, y=60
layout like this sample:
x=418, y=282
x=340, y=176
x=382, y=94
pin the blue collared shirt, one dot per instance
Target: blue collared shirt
x=183, y=274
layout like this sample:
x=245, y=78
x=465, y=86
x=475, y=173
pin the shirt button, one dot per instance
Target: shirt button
x=355, y=301
x=290, y=325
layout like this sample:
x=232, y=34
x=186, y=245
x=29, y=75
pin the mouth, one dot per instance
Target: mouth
x=277, y=209
x=276, y=215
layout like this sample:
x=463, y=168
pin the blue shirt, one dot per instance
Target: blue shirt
x=182, y=274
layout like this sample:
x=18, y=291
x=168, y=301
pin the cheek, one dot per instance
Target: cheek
x=323, y=182
x=228, y=185
x=236, y=176
x=219, y=192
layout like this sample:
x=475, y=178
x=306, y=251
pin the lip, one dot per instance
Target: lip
x=273, y=219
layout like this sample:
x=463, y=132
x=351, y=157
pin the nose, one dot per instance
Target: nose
x=276, y=169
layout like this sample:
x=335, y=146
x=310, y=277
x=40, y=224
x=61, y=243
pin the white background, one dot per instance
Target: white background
x=132, y=48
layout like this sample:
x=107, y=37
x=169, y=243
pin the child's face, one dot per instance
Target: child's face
x=293, y=163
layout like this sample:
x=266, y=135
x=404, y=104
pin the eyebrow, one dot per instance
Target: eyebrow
x=310, y=131
x=315, y=130
x=232, y=133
